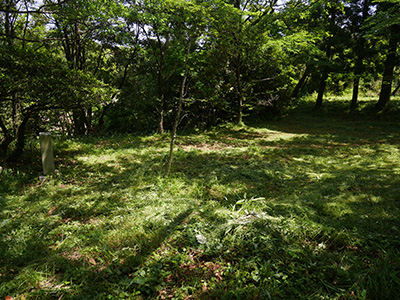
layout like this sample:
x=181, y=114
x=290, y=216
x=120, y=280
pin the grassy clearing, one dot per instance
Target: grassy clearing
x=306, y=207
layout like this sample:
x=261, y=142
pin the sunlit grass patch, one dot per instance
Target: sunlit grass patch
x=306, y=207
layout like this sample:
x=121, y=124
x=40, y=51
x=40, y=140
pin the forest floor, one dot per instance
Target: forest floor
x=304, y=207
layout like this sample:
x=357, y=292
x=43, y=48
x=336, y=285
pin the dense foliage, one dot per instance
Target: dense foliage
x=80, y=67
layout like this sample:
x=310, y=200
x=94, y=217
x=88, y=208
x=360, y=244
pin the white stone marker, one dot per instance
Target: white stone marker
x=47, y=153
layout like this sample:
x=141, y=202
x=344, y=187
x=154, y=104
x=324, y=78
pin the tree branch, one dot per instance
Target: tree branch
x=31, y=40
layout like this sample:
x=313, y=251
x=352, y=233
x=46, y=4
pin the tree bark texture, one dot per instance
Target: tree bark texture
x=321, y=89
x=6, y=140
x=354, y=98
x=300, y=85
x=20, y=138
x=390, y=63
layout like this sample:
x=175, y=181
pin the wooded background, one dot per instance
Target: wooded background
x=89, y=66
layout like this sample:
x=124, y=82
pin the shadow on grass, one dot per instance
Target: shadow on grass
x=92, y=277
x=343, y=183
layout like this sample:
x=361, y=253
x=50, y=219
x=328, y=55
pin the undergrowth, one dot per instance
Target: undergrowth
x=306, y=207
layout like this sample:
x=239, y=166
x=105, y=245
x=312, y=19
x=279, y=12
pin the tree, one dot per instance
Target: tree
x=34, y=78
x=358, y=13
x=237, y=36
x=156, y=23
x=188, y=25
x=85, y=30
x=387, y=19
x=42, y=83
x=332, y=12
x=322, y=24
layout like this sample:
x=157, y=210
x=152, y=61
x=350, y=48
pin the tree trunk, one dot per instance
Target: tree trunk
x=163, y=47
x=396, y=89
x=324, y=77
x=15, y=120
x=7, y=139
x=161, y=115
x=357, y=73
x=9, y=22
x=179, y=111
x=102, y=115
x=19, y=148
x=321, y=89
x=390, y=63
x=328, y=52
x=239, y=116
x=360, y=47
x=354, y=99
x=78, y=117
x=160, y=80
x=299, y=86
x=238, y=62
x=88, y=113
x=121, y=84
x=160, y=109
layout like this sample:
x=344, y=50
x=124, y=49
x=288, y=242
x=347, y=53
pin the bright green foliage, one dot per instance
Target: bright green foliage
x=33, y=83
x=36, y=83
x=387, y=15
x=247, y=58
x=386, y=24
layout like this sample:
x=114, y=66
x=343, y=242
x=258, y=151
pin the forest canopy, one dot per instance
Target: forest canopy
x=89, y=66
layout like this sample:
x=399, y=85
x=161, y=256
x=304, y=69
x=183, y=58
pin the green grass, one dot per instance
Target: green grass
x=306, y=207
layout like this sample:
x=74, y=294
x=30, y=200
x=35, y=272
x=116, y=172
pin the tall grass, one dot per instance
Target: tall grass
x=306, y=207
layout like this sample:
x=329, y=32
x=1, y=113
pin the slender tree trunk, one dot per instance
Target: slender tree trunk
x=15, y=118
x=160, y=79
x=396, y=89
x=163, y=47
x=7, y=138
x=19, y=148
x=160, y=88
x=88, y=113
x=179, y=111
x=25, y=26
x=9, y=21
x=329, y=44
x=78, y=117
x=390, y=63
x=357, y=73
x=299, y=86
x=239, y=116
x=121, y=84
x=238, y=70
x=354, y=99
x=161, y=115
x=360, y=45
x=160, y=58
x=324, y=77
x=102, y=115
x=75, y=54
x=321, y=89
